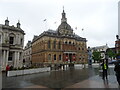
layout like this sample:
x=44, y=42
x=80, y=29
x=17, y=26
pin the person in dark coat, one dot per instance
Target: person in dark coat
x=7, y=69
x=117, y=70
x=105, y=69
x=11, y=67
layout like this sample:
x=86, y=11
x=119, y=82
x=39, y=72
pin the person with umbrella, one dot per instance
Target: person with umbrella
x=117, y=70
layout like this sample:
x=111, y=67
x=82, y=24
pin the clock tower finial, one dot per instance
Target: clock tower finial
x=63, y=8
x=64, y=19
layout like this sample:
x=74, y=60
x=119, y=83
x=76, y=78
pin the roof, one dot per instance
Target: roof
x=12, y=28
x=100, y=47
x=53, y=33
x=64, y=25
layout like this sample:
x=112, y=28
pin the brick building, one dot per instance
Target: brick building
x=59, y=47
x=27, y=54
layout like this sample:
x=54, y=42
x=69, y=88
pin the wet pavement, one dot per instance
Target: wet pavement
x=71, y=78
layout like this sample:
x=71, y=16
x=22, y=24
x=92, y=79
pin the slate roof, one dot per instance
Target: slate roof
x=53, y=33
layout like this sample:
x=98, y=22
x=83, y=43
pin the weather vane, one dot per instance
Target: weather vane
x=63, y=7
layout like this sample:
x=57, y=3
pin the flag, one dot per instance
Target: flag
x=82, y=29
x=44, y=19
x=76, y=28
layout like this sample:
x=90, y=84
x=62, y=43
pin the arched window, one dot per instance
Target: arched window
x=70, y=42
x=49, y=57
x=65, y=42
x=54, y=44
x=55, y=57
x=49, y=45
x=59, y=45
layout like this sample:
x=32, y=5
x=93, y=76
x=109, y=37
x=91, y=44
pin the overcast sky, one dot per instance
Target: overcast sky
x=98, y=18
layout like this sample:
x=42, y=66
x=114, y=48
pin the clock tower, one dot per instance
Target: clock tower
x=64, y=28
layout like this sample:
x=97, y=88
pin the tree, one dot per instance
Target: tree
x=96, y=56
x=111, y=54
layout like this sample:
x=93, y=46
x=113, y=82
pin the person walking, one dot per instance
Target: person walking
x=104, y=68
x=117, y=70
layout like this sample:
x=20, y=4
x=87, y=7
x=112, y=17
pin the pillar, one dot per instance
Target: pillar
x=7, y=54
x=3, y=61
x=15, y=57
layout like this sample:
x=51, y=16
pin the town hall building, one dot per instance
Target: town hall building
x=61, y=46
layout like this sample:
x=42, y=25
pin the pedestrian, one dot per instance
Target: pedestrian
x=7, y=69
x=104, y=68
x=11, y=67
x=117, y=70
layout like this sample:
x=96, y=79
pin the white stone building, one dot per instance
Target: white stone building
x=11, y=45
x=27, y=54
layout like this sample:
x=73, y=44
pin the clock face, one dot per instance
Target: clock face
x=62, y=31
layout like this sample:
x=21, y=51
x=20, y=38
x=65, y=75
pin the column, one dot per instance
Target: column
x=4, y=38
x=7, y=54
x=15, y=57
x=3, y=61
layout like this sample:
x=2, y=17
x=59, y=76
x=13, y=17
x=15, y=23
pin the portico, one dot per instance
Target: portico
x=69, y=56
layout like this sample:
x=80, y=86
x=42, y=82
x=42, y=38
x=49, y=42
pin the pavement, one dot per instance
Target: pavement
x=70, y=78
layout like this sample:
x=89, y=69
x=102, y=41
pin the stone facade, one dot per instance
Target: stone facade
x=59, y=47
x=11, y=45
x=27, y=54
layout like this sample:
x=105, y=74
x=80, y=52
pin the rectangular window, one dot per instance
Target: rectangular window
x=49, y=44
x=60, y=57
x=54, y=57
x=11, y=40
x=59, y=45
x=54, y=45
x=49, y=57
x=10, y=56
x=21, y=41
